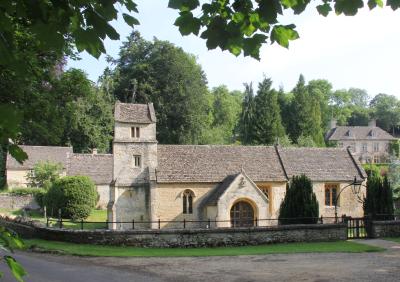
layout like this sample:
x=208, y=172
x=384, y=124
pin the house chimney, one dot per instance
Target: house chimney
x=333, y=123
x=94, y=151
x=372, y=122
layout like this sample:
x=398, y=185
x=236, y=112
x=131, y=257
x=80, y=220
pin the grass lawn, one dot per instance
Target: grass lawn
x=123, y=251
x=394, y=239
x=95, y=216
x=98, y=217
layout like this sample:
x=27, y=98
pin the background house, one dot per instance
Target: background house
x=369, y=144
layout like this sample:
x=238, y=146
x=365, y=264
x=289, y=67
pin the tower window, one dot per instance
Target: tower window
x=137, y=161
x=135, y=132
x=187, y=201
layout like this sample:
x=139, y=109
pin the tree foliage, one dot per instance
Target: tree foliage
x=300, y=205
x=76, y=196
x=9, y=241
x=226, y=108
x=44, y=174
x=378, y=202
x=267, y=125
x=244, y=25
x=161, y=73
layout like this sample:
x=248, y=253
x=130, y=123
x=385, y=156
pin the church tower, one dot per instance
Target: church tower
x=135, y=161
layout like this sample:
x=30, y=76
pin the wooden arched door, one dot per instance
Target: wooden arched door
x=242, y=215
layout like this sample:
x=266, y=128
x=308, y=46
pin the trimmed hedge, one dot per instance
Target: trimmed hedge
x=75, y=195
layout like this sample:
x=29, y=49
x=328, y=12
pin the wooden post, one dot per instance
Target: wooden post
x=133, y=224
x=184, y=223
x=159, y=224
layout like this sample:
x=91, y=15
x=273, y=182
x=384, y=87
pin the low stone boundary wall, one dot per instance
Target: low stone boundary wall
x=13, y=202
x=388, y=228
x=186, y=238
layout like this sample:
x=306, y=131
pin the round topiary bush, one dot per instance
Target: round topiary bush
x=76, y=196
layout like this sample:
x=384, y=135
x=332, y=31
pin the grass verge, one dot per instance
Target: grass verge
x=394, y=239
x=111, y=251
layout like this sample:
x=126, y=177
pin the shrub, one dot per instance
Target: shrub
x=378, y=202
x=44, y=174
x=22, y=191
x=74, y=195
x=300, y=204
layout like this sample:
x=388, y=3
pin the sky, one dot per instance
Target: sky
x=360, y=51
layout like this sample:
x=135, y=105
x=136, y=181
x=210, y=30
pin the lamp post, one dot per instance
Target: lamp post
x=355, y=187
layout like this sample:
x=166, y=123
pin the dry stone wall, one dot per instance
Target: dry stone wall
x=186, y=238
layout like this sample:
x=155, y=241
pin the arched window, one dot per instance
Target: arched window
x=187, y=201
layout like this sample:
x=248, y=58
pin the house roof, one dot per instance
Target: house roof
x=358, y=133
x=135, y=113
x=40, y=154
x=321, y=164
x=99, y=167
x=212, y=163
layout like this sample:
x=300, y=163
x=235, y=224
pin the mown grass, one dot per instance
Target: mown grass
x=124, y=251
x=98, y=218
x=394, y=239
x=95, y=216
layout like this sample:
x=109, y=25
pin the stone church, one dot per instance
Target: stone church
x=216, y=185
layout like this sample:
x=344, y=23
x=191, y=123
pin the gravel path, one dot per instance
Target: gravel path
x=383, y=266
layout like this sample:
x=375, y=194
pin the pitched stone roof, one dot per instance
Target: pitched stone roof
x=99, y=167
x=212, y=163
x=40, y=154
x=216, y=193
x=321, y=164
x=358, y=133
x=135, y=113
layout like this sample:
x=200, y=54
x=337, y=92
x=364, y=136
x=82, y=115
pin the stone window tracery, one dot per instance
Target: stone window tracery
x=187, y=201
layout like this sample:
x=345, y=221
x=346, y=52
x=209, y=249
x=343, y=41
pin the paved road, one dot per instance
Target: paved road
x=384, y=266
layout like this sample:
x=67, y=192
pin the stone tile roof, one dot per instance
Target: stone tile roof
x=321, y=164
x=216, y=193
x=40, y=153
x=136, y=113
x=212, y=163
x=99, y=167
x=358, y=133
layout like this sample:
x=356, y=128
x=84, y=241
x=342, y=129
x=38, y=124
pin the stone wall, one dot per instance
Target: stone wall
x=13, y=202
x=389, y=228
x=187, y=238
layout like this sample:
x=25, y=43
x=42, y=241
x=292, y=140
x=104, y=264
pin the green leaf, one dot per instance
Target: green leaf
x=373, y=3
x=16, y=268
x=131, y=6
x=394, y=4
x=348, y=7
x=324, y=9
x=183, y=5
x=269, y=10
x=297, y=6
x=17, y=153
x=238, y=17
x=282, y=34
x=130, y=20
x=187, y=23
x=251, y=46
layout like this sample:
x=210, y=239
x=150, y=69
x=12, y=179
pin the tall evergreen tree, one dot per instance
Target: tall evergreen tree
x=247, y=115
x=306, y=114
x=267, y=123
x=378, y=202
x=300, y=204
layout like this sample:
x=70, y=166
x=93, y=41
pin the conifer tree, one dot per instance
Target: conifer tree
x=378, y=202
x=267, y=123
x=300, y=205
x=247, y=115
x=306, y=114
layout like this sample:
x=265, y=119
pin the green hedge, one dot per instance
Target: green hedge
x=76, y=196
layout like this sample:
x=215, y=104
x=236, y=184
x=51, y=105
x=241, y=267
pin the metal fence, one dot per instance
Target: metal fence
x=188, y=224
